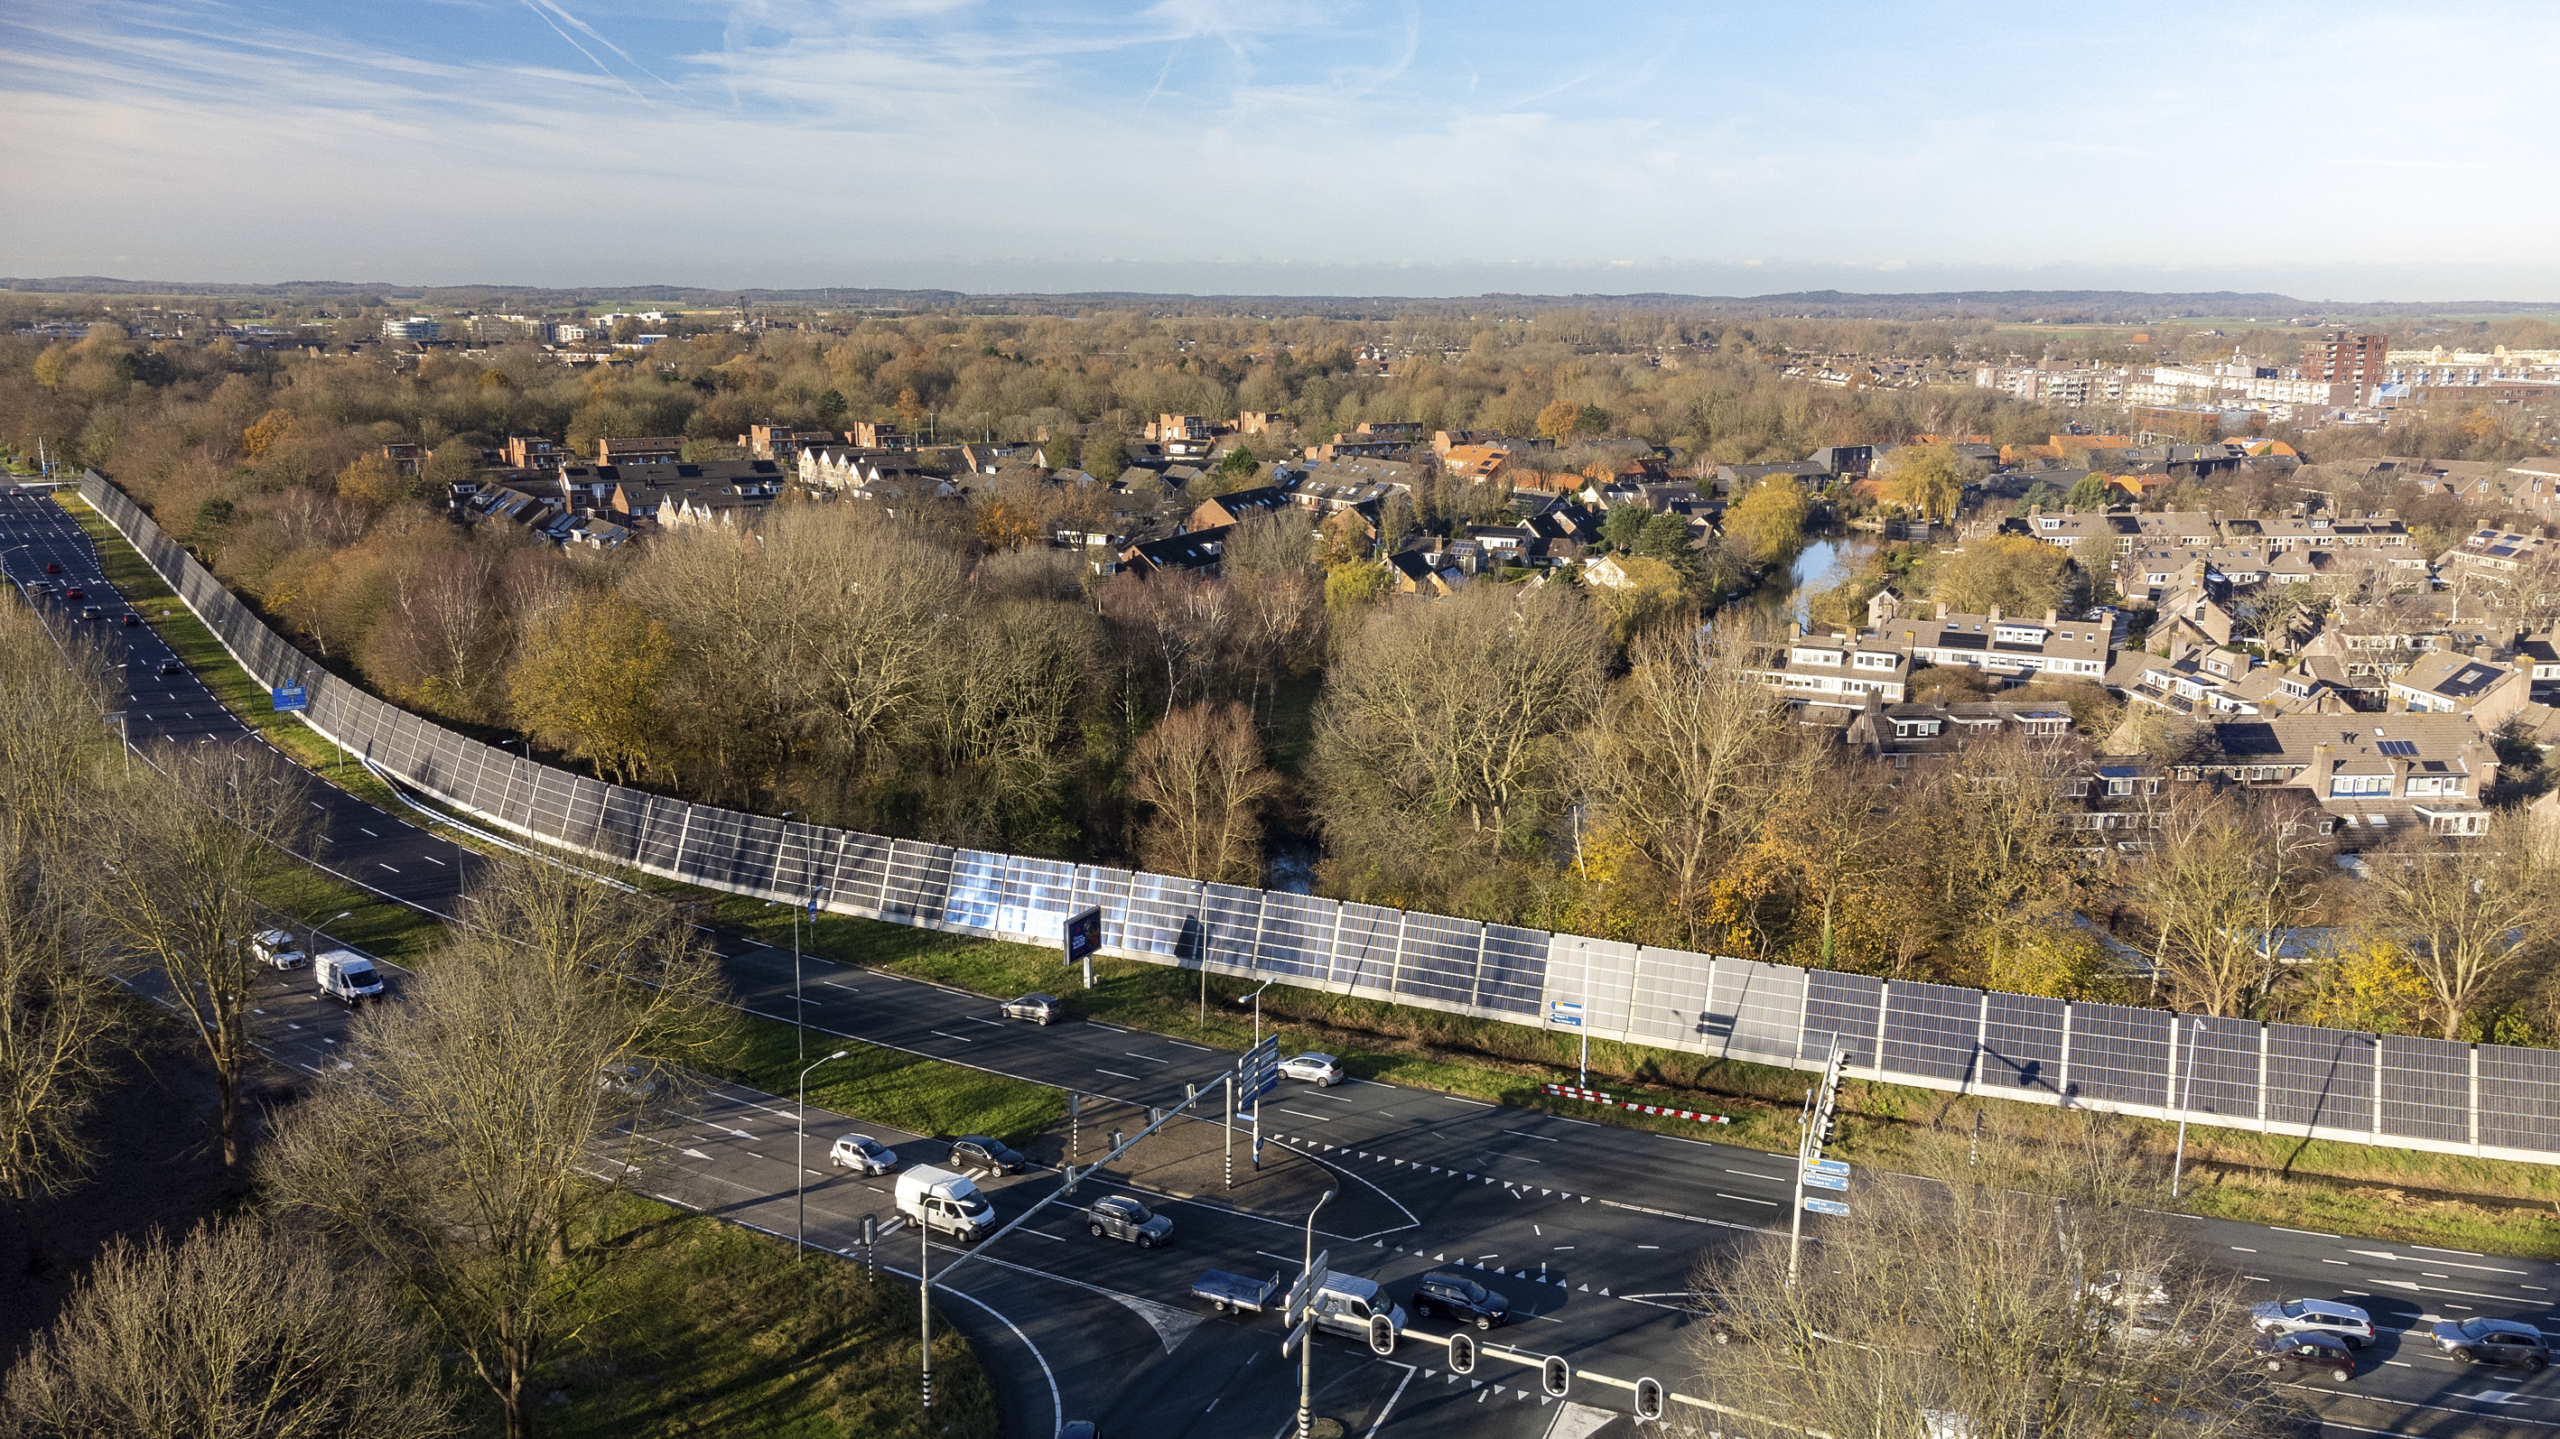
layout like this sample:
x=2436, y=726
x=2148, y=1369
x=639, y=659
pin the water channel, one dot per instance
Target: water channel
x=1783, y=596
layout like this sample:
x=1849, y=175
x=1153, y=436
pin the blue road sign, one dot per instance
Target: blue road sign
x=1831, y=1207
x=1565, y=1013
x=1258, y=1073
x=1084, y=935
x=1826, y=1181
x=1826, y=1166
x=290, y=698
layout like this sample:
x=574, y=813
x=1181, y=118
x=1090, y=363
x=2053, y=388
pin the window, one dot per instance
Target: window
x=2354, y=784
x=2119, y=786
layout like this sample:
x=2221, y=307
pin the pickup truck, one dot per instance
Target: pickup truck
x=1226, y=1291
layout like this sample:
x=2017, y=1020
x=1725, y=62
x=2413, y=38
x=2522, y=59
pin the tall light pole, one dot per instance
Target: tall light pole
x=924, y=1306
x=800, y=1164
x=2186, y=1103
x=1307, y=1346
x=799, y=1011
x=312, y=927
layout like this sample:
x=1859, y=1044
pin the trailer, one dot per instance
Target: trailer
x=1226, y=1291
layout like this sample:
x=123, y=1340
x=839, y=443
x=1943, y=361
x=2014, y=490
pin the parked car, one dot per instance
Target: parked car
x=275, y=948
x=2312, y=1351
x=1446, y=1291
x=2508, y=1342
x=1038, y=1008
x=1122, y=1217
x=1314, y=1068
x=862, y=1154
x=979, y=1152
x=2314, y=1316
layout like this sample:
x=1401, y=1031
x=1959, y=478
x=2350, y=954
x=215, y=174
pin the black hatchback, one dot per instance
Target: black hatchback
x=2320, y=1353
x=1446, y=1291
x=979, y=1152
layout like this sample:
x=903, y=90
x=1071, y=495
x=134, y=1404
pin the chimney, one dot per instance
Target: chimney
x=1795, y=630
x=2485, y=652
x=2052, y=616
x=1995, y=614
x=1942, y=609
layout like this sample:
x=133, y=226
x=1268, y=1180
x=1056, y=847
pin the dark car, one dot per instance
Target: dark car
x=1080, y=1429
x=51, y=568
x=129, y=621
x=1038, y=1008
x=169, y=667
x=90, y=612
x=1446, y=1291
x=2508, y=1342
x=2320, y=1353
x=979, y=1152
x=75, y=593
x=1121, y=1217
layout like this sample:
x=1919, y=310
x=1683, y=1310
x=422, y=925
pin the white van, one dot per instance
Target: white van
x=1345, y=1303
x=347, y=975
x=940, y=1199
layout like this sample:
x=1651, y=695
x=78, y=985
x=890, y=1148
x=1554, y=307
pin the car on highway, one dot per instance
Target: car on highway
x=1346, y=1303
x=862, y=1154
x=169, y=667
x=277, y=950
x=1320, y=1069
x=52, y=568
x=2320, y=1353
x=347, y=975
x=2313, y=1316
x=1446, y=1291
x=1119, y=1216
x=2508, y=1342
x=130, y=620
x=74, y=592
x=977, y=1151
x=631, y=1081
x=91, y=612
x=1038, y=1008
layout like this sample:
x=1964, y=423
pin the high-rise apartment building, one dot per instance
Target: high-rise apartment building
x=2344, y=359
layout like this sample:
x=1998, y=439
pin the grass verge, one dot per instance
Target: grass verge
x=707, y=1329
x=922, y=1096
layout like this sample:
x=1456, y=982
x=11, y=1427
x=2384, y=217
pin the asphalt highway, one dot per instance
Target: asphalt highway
x=1589, y=1229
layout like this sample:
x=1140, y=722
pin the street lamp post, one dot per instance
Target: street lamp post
x=311, y=927
x=800, y=1164
x=1307, y=1346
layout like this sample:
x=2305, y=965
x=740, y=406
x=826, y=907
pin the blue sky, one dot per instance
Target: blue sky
x=2333, y=150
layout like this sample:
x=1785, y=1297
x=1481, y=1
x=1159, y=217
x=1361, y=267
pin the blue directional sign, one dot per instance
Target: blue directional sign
x=1832, y=1207
x=290, y=698
x=1084, y=935
x=1258, y=1073
x=1827, y=1166
x=1565, y=1013
x=1826, y=1181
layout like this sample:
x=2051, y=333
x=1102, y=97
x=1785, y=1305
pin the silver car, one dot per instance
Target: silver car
x=276, y=949
x=1321, y=1069
x=2313, y=1316
x=1038, y=1008
x=862, y=1154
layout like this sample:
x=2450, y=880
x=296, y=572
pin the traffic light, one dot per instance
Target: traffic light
x=1382, y=1335
x=1555, y=1376
x=1462, y=1353
x=1648, y=1399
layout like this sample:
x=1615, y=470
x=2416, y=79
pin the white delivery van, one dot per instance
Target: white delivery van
x=1345, y=1303
x=347, y=975
x=942, y=1200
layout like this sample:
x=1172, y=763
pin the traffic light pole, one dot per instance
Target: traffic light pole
x=1818, y=1107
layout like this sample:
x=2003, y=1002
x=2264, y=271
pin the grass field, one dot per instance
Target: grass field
x=710, y=1330
x=923, y=1096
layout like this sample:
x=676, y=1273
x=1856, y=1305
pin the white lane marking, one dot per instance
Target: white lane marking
x=367, y=831
x=394, y=871
x=431, y=859
x=1318, y=1118
x=1204, y=1049
x=1375, y=1424
x=1149, y=1058
x=1676, y=1139
x=1524, y=1134
x=1747, y=1174
x=1098, y=1024
x=1116, y=1074
x=2448, y=1263
x=972, y=1018
x=964, y=1039
x=1745, y=1199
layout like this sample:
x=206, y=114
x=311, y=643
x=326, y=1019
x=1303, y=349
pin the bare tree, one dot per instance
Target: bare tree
x=1201, y=770
x=178, y=891
x=1687, y=756
x=234, y=1332
x=2030, y=1294
x=2225, y=878
x=2466, y=912
x=502, y=1108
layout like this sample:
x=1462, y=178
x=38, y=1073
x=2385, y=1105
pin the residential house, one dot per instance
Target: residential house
x=2006, y=647
x=532, y=452
x=1475, y=462
x=1354, y=447
x=639, y=449
x=1841, y=461
x=2496, y=553
x=2370, y=773
x=2542, y=654
x=878, y=435
x=1221, y=511
x=406, y=458
x=2488, y=690
x=2209, y=682
x=1195, y=552
x=781, y=442
x=1418, y=572
x=1901, y=731
x=1168, y=428
x=1838, y=671
x=735, y=507
x=1443, y=441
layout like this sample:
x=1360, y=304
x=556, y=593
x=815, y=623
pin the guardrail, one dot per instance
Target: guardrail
x=2494, y=1101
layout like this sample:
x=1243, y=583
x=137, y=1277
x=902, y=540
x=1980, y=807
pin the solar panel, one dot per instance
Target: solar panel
x=2398, y=746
